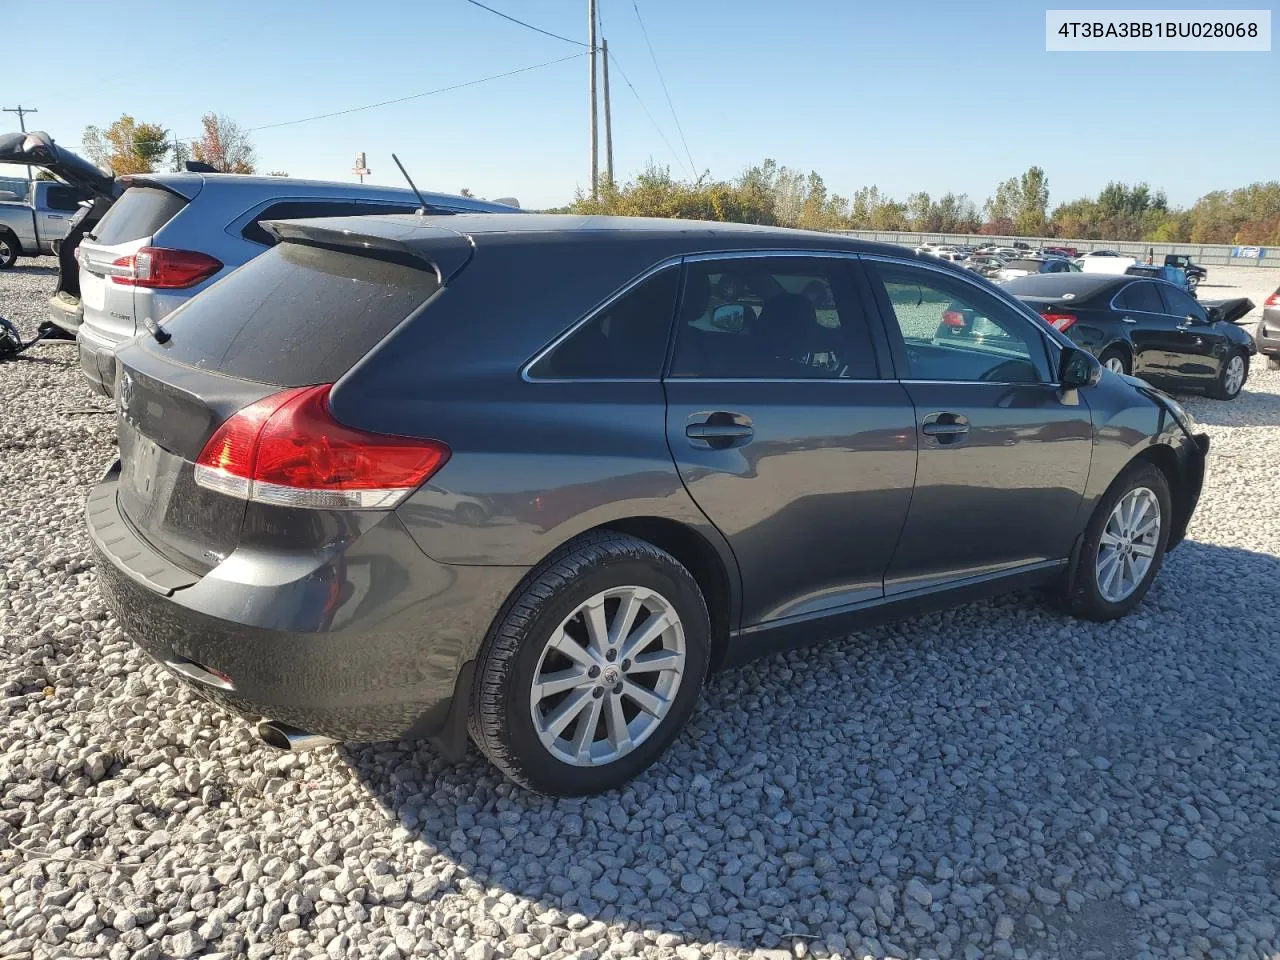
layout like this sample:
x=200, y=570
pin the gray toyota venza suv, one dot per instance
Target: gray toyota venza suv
x=532, y=477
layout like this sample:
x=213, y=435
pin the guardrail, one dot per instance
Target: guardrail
x=1205, y=254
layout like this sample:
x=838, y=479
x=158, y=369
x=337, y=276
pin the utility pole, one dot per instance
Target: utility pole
x=608, y=116
x=22, y=112
x=595, y=140
x=177, y=154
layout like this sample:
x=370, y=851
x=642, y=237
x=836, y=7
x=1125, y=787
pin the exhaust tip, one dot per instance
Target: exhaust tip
x=284, y=737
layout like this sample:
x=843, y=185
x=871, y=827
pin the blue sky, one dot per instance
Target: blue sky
x=907, y=96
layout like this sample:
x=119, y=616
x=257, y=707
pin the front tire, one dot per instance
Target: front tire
x=1124, y=545
x=592, y=667
x=1231, y=378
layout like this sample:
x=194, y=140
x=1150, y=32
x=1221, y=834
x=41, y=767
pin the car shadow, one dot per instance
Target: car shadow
x=987, y=757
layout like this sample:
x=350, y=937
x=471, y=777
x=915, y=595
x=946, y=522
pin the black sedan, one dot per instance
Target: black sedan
x=1148, y=328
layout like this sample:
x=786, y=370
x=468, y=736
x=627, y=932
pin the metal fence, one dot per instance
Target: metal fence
x=1205, y=254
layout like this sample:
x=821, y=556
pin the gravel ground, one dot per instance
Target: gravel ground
x=996, y=781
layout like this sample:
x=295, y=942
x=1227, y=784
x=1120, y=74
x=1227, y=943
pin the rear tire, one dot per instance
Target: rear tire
x=1231, y=378
x=1109, y=579
x=1116, y=360
x=525, y=682
x=8, y=249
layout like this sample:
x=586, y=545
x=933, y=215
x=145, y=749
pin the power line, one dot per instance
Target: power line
x=415, y=96
x=640, y=100
x=665, y=91
x=545, y=33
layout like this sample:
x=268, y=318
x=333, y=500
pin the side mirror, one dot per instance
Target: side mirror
x=1193, y=320
x=730, y=317
x=1078, y=368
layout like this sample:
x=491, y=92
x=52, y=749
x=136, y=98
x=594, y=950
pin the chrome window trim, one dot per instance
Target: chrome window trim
x=591, y=314
x=1049, y=335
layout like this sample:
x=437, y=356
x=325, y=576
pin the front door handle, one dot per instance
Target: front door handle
x=718, y=431
x=946, y=427
x=1128, y=320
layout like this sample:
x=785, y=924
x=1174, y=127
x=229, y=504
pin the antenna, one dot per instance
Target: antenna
x=412, y=186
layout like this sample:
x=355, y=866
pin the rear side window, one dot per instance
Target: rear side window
x=1180, y=304
x=296, y=315
x=1141, y=296
x=625, y=340
x=302, y=209
x=61, y=198
x=139, y=213
x=768, y=318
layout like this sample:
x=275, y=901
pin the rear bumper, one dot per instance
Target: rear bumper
x=1267, y=336
x=97, y=360
x=364, y=641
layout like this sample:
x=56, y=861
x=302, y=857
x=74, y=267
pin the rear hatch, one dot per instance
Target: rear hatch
x=108, y=253
x=297, y=316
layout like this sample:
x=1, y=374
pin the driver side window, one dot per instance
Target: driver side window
x=953, y=331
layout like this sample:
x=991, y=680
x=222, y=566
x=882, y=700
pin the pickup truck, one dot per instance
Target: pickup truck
x=32, y=225
x=1195, y=272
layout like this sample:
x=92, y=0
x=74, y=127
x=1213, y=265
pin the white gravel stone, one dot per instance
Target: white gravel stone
x=992, y=781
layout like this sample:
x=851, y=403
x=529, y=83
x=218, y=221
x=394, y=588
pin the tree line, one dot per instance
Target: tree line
x=132, y=146
x=776, y=195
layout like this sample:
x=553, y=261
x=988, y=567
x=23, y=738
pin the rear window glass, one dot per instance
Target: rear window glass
x=139, y=213
x=302, y=209
x=296, y=315
x=1032, y=266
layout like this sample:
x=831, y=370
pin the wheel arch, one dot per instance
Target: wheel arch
x=1122, y=344
x=1165, y=459
x=715, y=573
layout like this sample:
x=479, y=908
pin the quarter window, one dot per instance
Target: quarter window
x=951, y=330
x=625, y=340
x=1141, y=296
x=772, y=318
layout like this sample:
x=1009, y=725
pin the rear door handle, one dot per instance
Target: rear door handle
x=718, y=431
x=1128, y=320
x=945, y=427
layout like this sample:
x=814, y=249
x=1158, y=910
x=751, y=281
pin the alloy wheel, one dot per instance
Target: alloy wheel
x=1234, y=377
x=1128, y=544
x=1114, y=364
x=608, y=676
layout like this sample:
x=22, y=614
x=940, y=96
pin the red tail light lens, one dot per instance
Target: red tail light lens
x=1273, y=300
x=164, y=269
x=1060, y=321
x=288, y=450
x=952, y=318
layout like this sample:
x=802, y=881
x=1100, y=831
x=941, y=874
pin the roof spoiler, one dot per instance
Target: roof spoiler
x=444, y=252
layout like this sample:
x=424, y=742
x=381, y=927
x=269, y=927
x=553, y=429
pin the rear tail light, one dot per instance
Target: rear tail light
x=1060, y=321
x=164, y=269
x=288, y=450
x=952, y=318
x=1273, y=300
